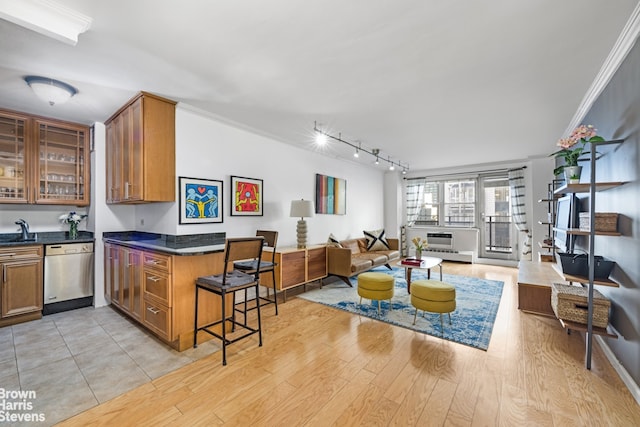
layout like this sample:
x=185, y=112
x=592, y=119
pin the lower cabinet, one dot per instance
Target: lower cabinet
x=298, y=266
x=158, y=290
x=21, y=285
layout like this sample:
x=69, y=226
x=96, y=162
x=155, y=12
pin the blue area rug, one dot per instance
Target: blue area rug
x=477, y=302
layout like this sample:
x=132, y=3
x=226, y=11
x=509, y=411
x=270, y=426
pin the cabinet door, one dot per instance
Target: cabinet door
x=126, y=275
x=116, y=276
x=112, y=162
x=133, y=151
x=135, y=284
x=13, y=129
x=63, y=164
x=317, y=263
x=292, y=267
x=109, y=271
x=21, y=287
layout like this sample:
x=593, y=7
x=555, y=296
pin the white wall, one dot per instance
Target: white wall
x=210, y=149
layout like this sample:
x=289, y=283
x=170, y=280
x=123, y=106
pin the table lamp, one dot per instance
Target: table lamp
x=301, y=209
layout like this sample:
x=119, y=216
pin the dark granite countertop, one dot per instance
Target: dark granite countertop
x=44, y=238
x=191, y=244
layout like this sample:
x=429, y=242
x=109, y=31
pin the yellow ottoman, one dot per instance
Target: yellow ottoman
x=433, y=296
x=375, y=286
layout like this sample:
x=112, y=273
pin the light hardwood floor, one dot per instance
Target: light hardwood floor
x=320, y=367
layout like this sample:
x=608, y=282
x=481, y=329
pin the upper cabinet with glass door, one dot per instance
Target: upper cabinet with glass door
x=13, y=136
x=50, y=161
x=63, y=163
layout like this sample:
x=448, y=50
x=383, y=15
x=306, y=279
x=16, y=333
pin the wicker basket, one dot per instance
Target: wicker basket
x=605, y=221
x=570, y=303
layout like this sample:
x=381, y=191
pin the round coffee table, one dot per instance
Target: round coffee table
x=427, y=263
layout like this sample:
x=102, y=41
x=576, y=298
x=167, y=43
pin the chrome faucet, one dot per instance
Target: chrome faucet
x=24, y=228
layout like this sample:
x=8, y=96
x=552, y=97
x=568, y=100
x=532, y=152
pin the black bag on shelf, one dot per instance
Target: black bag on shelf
x=578, y=265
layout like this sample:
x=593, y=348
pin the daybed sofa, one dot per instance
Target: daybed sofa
x=351, y=257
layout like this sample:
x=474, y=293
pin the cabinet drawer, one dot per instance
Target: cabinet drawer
x=20, y=252
x=157, y=261
x=157, y=317
x=157, y=285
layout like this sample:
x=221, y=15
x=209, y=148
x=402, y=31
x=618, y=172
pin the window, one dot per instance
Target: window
x=441, y=203
x=459, y=203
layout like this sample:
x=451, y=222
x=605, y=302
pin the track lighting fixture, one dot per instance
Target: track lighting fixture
x=322, y=138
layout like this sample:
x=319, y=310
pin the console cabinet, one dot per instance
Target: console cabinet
x=140, y=155
x=296, y=267
x=21, y=284
x=158, y=290
x=43, y=161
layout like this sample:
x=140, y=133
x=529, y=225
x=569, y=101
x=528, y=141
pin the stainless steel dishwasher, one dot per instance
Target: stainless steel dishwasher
x=68, y=277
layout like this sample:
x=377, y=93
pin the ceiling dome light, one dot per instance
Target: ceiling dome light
x=50, y=90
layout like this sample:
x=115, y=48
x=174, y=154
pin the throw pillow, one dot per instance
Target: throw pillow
x=332, y=241
x=376, y=241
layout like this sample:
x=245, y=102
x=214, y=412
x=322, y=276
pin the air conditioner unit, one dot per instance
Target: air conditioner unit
x=440, y=241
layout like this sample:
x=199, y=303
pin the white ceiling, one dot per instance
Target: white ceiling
x=432, y=83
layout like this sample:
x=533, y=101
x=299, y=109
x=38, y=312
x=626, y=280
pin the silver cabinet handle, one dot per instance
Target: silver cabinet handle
x=153, y=310
x=153, y=278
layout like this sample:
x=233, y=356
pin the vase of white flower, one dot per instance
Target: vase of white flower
x=73, y=219
x=73, y=230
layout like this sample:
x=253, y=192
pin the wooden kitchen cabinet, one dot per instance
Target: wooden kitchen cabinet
x=140, y=155
x=158, y=290
x=43, y=161
x=21, y=284
x=123, y=278
x=298, y=266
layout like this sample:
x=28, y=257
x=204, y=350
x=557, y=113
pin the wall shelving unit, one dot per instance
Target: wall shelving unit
x=592, y=187
x=548, y=251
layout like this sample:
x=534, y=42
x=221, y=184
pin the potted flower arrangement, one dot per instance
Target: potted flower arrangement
x=420, y=245
x=582, y=135
x=73, y=219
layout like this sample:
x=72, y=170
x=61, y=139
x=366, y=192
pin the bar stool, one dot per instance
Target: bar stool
x=229, y=282
x=250, y=267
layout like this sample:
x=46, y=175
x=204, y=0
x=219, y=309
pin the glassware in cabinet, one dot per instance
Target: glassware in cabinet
x=63, y=154
x=13, y=131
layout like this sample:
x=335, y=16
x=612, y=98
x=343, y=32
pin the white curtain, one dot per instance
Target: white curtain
x=519, y=209
x=415, y=194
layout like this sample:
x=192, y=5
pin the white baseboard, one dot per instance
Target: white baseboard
x=622, y=372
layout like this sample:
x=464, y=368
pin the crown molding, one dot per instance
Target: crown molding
x=46, y=17
x=621, y=48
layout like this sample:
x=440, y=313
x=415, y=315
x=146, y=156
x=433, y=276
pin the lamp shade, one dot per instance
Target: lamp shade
x=301, y=208
x=50, y=90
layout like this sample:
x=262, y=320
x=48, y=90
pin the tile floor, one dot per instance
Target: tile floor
x=80, y=358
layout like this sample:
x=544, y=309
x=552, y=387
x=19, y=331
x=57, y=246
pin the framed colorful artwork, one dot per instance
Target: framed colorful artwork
x=246, y=196
x=200, y=200
x=331, y=195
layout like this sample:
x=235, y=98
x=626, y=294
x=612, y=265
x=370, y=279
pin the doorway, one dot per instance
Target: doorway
x=497, y=231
